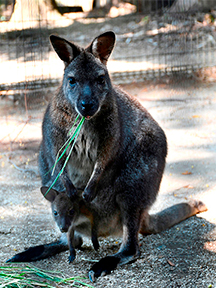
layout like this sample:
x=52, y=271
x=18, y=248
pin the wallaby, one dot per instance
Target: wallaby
x=118, y=159
x=68, y=217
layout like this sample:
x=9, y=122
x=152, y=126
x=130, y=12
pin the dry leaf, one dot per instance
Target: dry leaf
x=188, y=186
x=186, y=173
x=170, y=263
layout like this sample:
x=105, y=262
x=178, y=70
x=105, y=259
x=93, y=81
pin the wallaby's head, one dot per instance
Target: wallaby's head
x=64, y=210
x=86, y=82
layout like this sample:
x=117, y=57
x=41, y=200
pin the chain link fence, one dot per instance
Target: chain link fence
x=153, y=39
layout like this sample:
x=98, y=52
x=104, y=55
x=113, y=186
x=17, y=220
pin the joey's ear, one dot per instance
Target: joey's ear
x=51, y=195
x=102, y=46
x=70, y=193
x=66, y=50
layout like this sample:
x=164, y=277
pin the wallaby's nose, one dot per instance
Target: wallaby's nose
x=63, y=229
x=87, y=106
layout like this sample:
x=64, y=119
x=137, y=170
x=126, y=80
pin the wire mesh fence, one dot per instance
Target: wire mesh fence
x=153, y=39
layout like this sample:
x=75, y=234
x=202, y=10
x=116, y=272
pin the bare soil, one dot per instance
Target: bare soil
x=183, y=256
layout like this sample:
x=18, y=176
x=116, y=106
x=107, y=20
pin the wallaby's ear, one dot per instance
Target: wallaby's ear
x=102, y=46
x=51, y=195
x=70, y=192
x=66, y=50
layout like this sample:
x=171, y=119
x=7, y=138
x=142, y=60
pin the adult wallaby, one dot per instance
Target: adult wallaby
x=68, y=215
x=118, y=159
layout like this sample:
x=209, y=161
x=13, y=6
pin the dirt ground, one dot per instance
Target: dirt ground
x=184, y=256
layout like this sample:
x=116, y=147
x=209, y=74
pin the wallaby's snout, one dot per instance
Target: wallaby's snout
x=63, y=227
x=87, y=105
x=88, y=108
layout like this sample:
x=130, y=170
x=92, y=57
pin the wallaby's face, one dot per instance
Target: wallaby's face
x=64, y=210
x=86, y=83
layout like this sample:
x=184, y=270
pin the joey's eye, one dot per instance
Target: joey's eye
x=71, y=212
x=101, y=79
x=72, y=81
x=55, y=213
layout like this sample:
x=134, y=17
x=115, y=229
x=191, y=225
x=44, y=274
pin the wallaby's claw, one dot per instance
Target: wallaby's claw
x=91, y=275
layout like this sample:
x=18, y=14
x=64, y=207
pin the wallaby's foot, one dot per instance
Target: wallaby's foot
x=103, y=267
x=109, y=263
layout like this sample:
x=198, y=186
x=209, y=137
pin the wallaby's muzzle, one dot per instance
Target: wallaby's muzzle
x=88, y=108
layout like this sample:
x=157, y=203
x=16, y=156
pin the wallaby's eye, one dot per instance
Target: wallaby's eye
x=71, y=212
x=72, y=81
x=55, y=213
x=101, y=79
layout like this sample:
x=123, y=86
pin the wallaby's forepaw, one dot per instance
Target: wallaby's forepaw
x=103, y=267
x=199, y=205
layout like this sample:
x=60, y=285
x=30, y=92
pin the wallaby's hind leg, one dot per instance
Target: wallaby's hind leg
x=44, y=251
x=129, y=250
x=171, y=216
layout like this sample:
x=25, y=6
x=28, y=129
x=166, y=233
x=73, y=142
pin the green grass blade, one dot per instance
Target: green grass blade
x=75, y=135
x=10, y=277
x=74, y=124
x=69, y=140
x=69, y=154
x=57, y=156
x=84, y=284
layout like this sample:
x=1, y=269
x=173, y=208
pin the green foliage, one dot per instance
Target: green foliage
x=72, y=138
x=30, y=276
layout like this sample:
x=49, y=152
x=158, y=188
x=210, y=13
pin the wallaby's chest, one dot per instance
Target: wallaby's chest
x=83, y=158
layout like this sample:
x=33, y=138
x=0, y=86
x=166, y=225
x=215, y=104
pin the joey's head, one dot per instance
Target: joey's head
x=86, y=82
x=64, y=210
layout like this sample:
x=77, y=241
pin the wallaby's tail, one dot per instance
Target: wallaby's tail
x=171, y=216
x=40, y=252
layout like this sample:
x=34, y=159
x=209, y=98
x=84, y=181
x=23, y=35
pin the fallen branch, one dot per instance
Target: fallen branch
x=24, y=170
